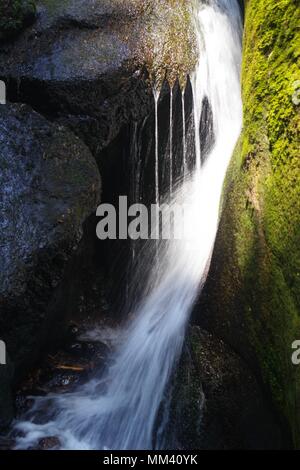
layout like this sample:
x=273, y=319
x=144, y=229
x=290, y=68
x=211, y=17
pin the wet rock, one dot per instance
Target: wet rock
x=87, y=350
x=49, y=185
x=6, y=443
x=62, y=372
x=252, y=295
x=47, y=443
x=75, y=63
x=91, y=14
x=62, y=381
x=217, y=401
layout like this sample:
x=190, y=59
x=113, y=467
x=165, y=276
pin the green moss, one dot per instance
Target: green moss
x=13, y=15
x=263, y=196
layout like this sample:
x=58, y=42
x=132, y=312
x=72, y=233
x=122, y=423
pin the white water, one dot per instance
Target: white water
x=119, y=410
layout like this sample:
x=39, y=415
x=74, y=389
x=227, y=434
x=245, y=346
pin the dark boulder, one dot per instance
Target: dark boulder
x=50, y=185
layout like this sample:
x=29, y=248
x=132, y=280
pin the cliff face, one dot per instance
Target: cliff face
x=252, y=297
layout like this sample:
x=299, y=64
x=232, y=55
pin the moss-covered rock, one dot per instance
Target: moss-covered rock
x=14, y=15
x=252, y=298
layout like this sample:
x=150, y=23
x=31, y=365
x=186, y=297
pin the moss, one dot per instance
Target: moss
x=14, y=14
x=262, y=197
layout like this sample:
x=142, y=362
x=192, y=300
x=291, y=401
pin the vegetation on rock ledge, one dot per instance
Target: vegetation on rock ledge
x=260, y=230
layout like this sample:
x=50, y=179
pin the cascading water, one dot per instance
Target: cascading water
x=119, y=410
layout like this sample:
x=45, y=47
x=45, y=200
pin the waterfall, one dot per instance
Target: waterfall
x=119, y=410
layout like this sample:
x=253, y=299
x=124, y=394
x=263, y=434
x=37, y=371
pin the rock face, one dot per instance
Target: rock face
x=50, y=184
x=6, y=402
x=82, y=62
x=217, y=402
x=79, y=65
x=252, y=297
x=74, y=64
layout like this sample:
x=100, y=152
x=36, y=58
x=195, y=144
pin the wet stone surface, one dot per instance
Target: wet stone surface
x=71, y=366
